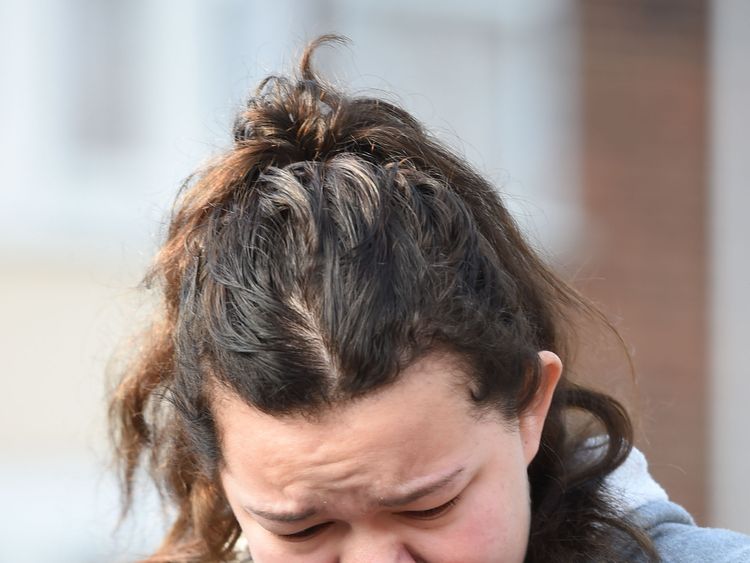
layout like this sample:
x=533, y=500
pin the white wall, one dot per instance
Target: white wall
x=106, y=106
x=730, y=264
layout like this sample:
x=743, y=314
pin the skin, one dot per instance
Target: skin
x=408, y=474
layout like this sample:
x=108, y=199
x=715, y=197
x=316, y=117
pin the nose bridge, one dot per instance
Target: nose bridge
x=373, y=545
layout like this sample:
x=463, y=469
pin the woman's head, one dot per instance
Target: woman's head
x=350, y=311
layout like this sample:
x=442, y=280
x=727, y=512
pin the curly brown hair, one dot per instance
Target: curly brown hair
x=328, y=208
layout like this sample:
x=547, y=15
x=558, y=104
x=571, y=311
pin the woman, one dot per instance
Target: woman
x=359, y=358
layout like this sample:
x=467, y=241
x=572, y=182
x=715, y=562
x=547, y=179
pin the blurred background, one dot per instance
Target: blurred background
x=616, y=129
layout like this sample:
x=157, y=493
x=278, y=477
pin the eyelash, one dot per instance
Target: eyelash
x=307, y=533
x=432, y=513
x=429, y=514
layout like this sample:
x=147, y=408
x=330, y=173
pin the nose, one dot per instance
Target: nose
x=373, y=547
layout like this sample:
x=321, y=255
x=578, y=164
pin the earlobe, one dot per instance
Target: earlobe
x=531, y=422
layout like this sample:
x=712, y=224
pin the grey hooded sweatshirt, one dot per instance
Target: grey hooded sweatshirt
x=672, y=529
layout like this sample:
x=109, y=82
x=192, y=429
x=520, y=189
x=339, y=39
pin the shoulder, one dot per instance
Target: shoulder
x=678, y=539
x=670, y=527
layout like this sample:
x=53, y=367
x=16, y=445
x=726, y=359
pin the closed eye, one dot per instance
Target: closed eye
x=431, y=513
x=305, y=534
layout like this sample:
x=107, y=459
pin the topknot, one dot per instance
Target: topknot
x=303, y=118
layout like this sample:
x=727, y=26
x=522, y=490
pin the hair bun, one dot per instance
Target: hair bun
x=291, y=119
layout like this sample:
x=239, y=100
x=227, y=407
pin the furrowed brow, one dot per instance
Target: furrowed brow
x=391, y=502
x=421, y=491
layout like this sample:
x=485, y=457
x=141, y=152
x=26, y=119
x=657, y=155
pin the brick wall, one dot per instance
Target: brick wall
x=644, y=174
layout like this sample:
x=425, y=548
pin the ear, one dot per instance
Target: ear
x=531, y=421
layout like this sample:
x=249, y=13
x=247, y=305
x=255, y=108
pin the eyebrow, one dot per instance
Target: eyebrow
x=391, y=502
x=421, y=491
x=287, y=517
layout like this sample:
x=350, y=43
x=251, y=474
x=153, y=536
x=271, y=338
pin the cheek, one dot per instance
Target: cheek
x=493, y=528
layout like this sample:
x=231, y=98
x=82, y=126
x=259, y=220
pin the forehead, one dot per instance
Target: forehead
x=418, y=425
